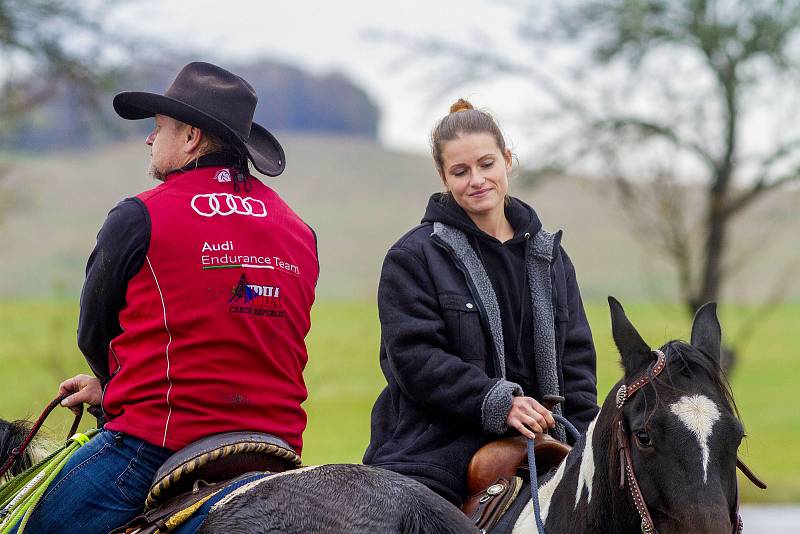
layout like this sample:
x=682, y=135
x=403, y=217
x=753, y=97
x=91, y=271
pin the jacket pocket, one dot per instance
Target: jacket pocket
x=561, y=314
x=464, y=330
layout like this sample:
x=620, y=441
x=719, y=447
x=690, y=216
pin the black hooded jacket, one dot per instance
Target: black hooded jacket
x=505, y=265
x=444, y=397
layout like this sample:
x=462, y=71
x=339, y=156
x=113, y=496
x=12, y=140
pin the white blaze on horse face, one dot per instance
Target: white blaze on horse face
x=586, y=473
x=698, y=413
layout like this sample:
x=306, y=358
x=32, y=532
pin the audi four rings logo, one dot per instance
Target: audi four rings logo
x=226, y=204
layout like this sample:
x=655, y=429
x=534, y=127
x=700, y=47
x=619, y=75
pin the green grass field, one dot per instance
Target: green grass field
x=37, y=350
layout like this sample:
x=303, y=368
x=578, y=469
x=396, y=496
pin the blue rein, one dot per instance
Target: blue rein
x=574, y=434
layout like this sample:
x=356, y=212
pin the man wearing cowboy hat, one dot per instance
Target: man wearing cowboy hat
x=196, y=303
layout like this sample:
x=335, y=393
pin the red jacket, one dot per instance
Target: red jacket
x=214, y=322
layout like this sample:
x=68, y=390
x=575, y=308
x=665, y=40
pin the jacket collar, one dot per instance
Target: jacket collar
x=215, y=159
x=442, y=208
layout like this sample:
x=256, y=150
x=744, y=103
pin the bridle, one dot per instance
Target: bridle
x=626, y=468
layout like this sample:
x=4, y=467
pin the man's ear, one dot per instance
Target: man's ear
x=194, y=138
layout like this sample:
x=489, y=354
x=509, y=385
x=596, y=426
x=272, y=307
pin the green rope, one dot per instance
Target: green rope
x=13, y=486
x=34, y=499
x=23, y=502
x=20, y=495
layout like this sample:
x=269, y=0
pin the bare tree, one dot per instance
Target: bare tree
x=47, y=45
x=47, y=42
x=687, y=104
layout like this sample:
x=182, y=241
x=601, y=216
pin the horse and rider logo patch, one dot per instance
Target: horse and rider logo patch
x=223, y=176
x=255, y=299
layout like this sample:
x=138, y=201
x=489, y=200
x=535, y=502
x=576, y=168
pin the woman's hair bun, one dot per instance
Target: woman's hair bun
x=460, y=105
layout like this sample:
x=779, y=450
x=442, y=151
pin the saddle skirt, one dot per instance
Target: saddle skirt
x=185, y=513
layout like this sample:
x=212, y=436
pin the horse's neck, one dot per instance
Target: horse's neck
x=583, y=494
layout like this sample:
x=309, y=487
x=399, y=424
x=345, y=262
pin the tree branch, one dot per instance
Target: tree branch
x=771, y=304
x=761, y=186
x=479, y=63
x=649, y=128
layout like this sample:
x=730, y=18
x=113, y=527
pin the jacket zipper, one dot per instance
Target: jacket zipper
x=110, y=378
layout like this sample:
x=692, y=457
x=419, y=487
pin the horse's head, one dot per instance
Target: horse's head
x=12, y=434
x=682, y=427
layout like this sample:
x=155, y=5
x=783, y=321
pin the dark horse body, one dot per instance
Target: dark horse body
x=683, y=431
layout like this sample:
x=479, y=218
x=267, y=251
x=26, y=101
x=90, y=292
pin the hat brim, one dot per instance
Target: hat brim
x=263, y=149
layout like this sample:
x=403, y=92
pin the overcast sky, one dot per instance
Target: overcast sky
x=323, y=36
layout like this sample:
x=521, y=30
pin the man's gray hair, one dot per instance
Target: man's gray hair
x=217, y=144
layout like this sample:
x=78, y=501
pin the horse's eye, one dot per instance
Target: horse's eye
x=644, y=439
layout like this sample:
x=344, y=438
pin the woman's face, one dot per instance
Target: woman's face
x=475, y=173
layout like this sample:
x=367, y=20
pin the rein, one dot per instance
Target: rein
x=626, y=468
x=574, y=434
x=18, y=451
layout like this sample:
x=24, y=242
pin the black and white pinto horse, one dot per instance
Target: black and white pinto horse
x=683, y=436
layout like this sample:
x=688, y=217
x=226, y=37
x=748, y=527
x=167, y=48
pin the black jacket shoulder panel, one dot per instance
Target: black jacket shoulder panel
x=119, y=254
x=415, y=238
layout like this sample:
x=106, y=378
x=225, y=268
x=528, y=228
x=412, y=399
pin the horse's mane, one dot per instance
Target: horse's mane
x=693, y=362
x=12, y=434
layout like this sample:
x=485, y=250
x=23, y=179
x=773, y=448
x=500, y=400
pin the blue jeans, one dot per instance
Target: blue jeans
x=102, y=486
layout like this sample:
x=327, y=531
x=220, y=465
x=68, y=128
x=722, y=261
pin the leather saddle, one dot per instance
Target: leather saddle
x=198, y=471
x=497, y=471
x=218, y=458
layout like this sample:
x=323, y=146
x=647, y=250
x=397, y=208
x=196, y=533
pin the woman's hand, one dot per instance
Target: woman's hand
x=528, y=416
x=82, y=389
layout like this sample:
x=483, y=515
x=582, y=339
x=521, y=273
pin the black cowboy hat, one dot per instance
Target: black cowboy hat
x=210, y=98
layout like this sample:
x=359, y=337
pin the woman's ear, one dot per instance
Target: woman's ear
x=444, y=181
x=509, y=157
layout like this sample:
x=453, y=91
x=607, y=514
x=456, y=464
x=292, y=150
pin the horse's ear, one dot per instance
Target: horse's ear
x=706, y=331
x=635, y=353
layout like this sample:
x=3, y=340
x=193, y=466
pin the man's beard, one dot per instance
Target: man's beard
x=159, y=175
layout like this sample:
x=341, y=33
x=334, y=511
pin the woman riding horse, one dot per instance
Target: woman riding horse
x=481, y=319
